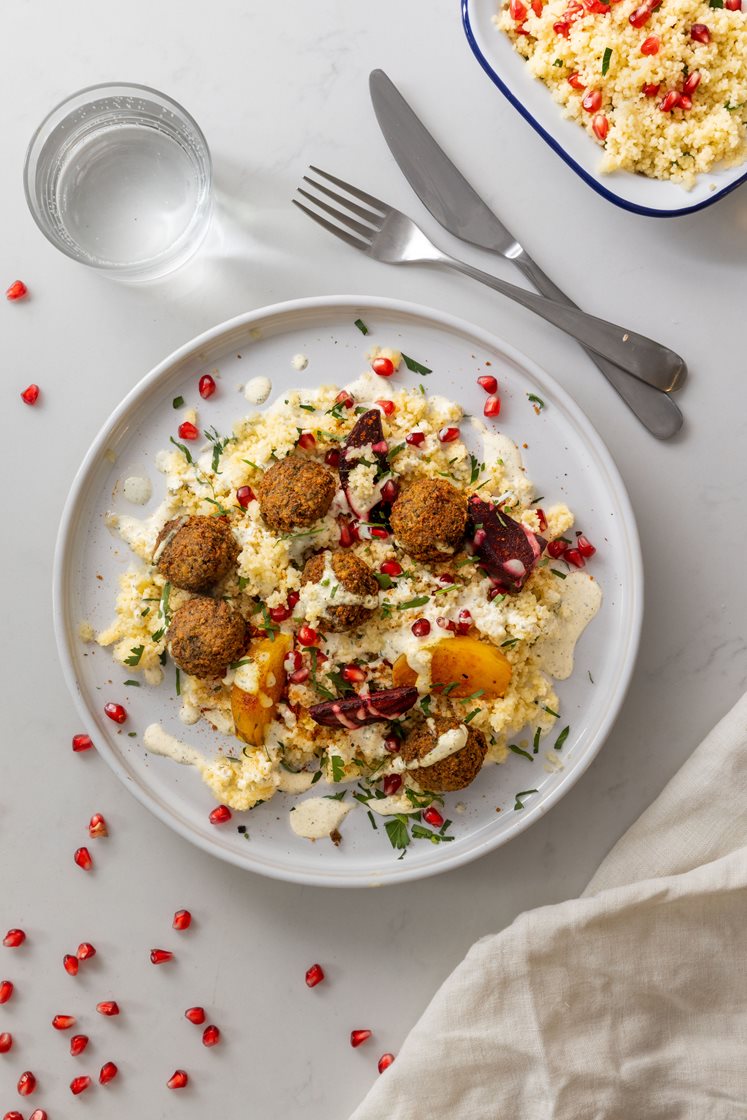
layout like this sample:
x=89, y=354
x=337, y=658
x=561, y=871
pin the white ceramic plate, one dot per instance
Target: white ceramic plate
x=565, y=459
x=654, y=197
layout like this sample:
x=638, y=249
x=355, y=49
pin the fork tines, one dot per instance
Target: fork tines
x=373, y=213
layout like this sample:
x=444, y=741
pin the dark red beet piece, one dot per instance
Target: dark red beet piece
x=357, y=711
x=507, y=550
x=367, y=430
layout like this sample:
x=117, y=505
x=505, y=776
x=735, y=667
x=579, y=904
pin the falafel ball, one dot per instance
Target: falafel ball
x=295, y=492
x=205, y=636
x=453, y=772
x=354, y=576
x=195, y=552
x=429, y=519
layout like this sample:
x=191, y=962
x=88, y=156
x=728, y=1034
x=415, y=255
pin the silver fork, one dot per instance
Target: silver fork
x=388, y=235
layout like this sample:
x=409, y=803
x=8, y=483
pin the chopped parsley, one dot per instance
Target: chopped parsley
x=477, y=467
x=606, y=62
x=396, y=830
x=132, y=684
x=361, y=326
x=519, y=804
x=558, y=62
x=715, y=3
x=384, y=581
x=184, y=450
x=416, y=367
x=135, y=654
x=419, y=601
x=177, y=402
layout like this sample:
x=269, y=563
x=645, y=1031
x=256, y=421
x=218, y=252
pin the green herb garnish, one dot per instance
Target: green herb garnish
x=361, y=326
x=561, y=738
x=519, y=804
x=606, y=64
x=416, y=367
x=558, y=62
x=384, y=581
x=177, y=402
x=536, y=744
x=184, y=450
x=420, y=601
x=518, y=750
x=135, y=654
x=472, y=714
x=132, y=684
x=536, y=401
x=559, y=574
x=396, y=830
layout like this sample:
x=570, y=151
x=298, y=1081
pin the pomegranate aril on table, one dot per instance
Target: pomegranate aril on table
x=357, y=1038
x=79, y=1084
x=492, y=406
x=70, y=964
x=6, y=990
x=83, y=858
x=6, y=1042
x=187, y=430
x=115, y=712
x=78, y=1044
x=314, y=975
x=108, y=1007
x=82, y=743
x=206, y=386
x=38, y=1114
x=160, y=956
x=17, y=290
x=97, y=827
x=210, y=1036
x=30, y=394
x=220, y=815
x=26, y=1083
x=14, y=938
x=182, y=919
x=107, y=1073
x=488, y=383
x=63, y=1022
x=195, y=1015
x=178, y=1080
x=385, y=1061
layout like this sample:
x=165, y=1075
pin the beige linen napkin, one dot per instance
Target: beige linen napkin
x=629, y=1003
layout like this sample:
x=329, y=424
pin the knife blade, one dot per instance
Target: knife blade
x=456, y=205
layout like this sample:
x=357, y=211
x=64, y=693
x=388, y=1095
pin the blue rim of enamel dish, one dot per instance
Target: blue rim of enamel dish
x=632, y=207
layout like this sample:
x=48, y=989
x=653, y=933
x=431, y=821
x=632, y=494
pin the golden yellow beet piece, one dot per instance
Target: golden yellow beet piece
x=253, y=711
x=472, y=664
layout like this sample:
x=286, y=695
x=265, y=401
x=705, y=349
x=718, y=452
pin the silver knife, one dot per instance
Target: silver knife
x=454, y=203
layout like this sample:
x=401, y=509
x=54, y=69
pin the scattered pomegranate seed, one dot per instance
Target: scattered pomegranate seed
x=536, y=6
x=669, y=101
x=306, y=441
x=464, y=622
x=26, y=1083
x=446, y=579
x=314, y=975
x=383, y=366
x=78, y=1044
x=160, y=956
x=79, y=1084
x=691, y=83
x=14, y=938
x=652, y=90
x=195, y=1015
x=107, y=1073
x=108, y=1007
x=700, y=33
x=63, y=1022
x=541, y=519
x=245, y=495
x=492, y=406
x=651, y=45
x=391, y=744
x=421, y=628
x=354, y=673
x=574, y=80
x=385, y=1061
x=210, y=1036
x=389, y=490
x=97, y=827
x=299, y=676
x=391, y=568
x=448, y=435
x=6, y=1042
x=592, y=102
x=562, y=27
x=178, y=1080
x=182, y=919
x=206, y=385
x=573, y=556
x=357, y=1038
x=488, y=383
x=30, y=394
x=38, y=1114
x=307, y=636
x=684, y=102
x=293, y=597
x=381, y=447
x=12, y=1115
x=733, y=5
x=640, y=15
x=83, y=858
x=187, y=430
x=6, y=990
x=433, y=817
x=517, y=11
x=556, y=548
x=17, y=290
x=82, y=743
x=220, y=814
x=293, y=661
x=280, y=614
x=332, y=457
x=391, y=784
x=379, y=533
x=584, y=546
x=387, y=407
x=344, y=398
x=115, y=712
x=71, y=964
x=415, y=439
x=600, y=126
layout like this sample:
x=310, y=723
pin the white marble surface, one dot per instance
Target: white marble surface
x=275, y=86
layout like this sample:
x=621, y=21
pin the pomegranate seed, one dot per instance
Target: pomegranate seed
x=206, y=385
x=433, y=817
x=115, y=712
x=83, y=858
x=187, y=430
x=464, y=622
x=541, y=519
x=380, y=534
x=306, y=441
x=82, y=743
x=346, y=535
x=332, y=457
x=38, y=1114
x=280, y=614
x=321, y=657
x=245, y=495
x=26, y=1083
x=391, y=784
x=651, y=45
x=6, y=1042
x=600, y=126
x=220, y=814
x=182, y=919
x=86, y=951
x=195, y=1015
x=391, y=568
x=537, y=7
x=12, y=1115
x=446, y=624
x=387, y=407
x=492, y=406
x=383, y=366
x=389, y=491
x=640, y=15
x=495, y=592
x=421, y=628
x=344, y=398
x=584, y=546
x=488, y=383
x=692, y=81
x=307, y=636
x=210, y=1036
x=385, y=1061
x=448, y=435
x=109, y=1007
x=71, y=964
x=684, y=102
x=293, y=597
x=733, y=5
x=479, y=537
x=670, y=101
x=447, y=579
x=63, y=1022
x=517, y=10
x=562, y=27
x=415, y=439
x=380, y=448
x=574, y=80
x=299, y=676
x=78, y=1044
x=573, y=556
x=294, y=660
x=17, y=290
x=14, y=938
x=97, y=827
x=107, y=1073
x=357, y=1038
x=160, y=956
x=700, y=33
x=652, y=90
x=79, y=1084
x=354, y=673
x=30, y=394
x=314, y=975
x=391, y=744
x=593, y=101
x=178, y=1079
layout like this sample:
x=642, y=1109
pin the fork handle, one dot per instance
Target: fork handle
x=645, y=359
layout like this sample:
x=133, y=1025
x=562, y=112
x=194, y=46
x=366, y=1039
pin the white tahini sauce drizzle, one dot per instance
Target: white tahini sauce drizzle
x=137, y=490
x=447, y=744
x=299, y=361
x=582, y=597
x=258, y=390
x=317, y=817
x=158, y=741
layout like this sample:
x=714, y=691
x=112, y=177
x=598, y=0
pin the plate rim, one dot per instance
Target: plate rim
x=398, y=872
x=590, y=180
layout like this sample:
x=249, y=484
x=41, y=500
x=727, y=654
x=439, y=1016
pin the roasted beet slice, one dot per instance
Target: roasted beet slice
x=508, y=551
x=357, y=711
x=367, y=431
